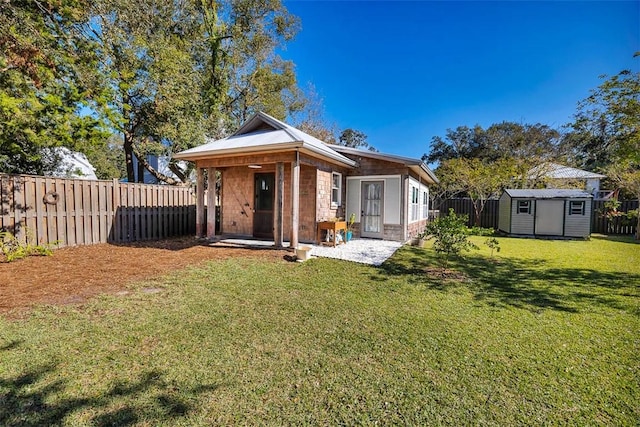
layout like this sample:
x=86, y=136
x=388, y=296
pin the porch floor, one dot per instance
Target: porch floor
x=365, y=251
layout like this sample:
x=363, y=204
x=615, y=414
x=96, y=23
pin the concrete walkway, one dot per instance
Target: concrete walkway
x=365, y=251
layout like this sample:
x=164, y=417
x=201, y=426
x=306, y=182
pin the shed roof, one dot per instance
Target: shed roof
x=417, y=165
x=556, y=171
x=264, y=133
x=548, y=193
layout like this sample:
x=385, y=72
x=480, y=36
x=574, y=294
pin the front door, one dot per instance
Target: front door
x=263, y=205
x=372, y=219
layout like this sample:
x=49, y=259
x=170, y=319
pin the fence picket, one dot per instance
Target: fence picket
x=90, y=211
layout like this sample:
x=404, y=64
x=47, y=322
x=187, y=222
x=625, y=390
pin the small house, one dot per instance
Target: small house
x=278, y=182
x=545, y=212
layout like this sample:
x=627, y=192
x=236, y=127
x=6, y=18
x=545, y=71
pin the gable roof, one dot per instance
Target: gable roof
x=548, y=193
x=556, y=171
x=416, y=165
x=264, y=133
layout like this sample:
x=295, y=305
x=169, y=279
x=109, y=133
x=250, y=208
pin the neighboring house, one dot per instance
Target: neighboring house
x=73, y=165
x=278, y=182
x=546, y=212
x=559, y=175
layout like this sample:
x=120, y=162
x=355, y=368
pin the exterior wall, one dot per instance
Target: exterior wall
x=237, y=201
x=415, y=228
x=577, y=225
x=504, y=213
x=324, y=210
x=522, y=223
x=393, y=228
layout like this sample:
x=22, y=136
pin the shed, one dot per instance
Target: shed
x=546, y=212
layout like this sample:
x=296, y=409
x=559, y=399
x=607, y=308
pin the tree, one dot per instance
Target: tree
x=450, y=235
x=607, y=125
x=354, y=139
x=48, y=78
x=311, y=119
x=478, y=179
x=526, y=143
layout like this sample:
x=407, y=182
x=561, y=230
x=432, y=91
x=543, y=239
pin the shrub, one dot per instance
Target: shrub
x=13, y=249
x=480, y=231
x=450, y=235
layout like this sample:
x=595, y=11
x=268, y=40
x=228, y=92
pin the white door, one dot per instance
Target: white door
x=549, y=217
x=371, y=216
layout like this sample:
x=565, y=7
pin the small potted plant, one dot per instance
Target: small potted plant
x=349, y=234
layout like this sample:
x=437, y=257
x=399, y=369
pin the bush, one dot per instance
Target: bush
x=13, y=249
x=480, y=231
x=450, y=234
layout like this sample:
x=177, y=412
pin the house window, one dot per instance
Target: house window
x=336, y=189
x=415, y=206
x=425, y=204
x=576, y=207
x=524, y=206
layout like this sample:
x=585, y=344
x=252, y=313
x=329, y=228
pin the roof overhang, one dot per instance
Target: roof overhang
x=416, y=165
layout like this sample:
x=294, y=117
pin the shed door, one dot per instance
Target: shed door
x=371, y=216
x=549, y=217
x=263, y=205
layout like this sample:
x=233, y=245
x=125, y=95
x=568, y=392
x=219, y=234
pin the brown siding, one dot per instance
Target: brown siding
x=368, y=166
x=237, y=201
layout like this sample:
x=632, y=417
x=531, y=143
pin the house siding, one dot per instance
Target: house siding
x=237, y=201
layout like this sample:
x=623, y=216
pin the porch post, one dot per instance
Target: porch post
x=199, y=200
x=211, y=203
x=279, y=206
x=295, y=200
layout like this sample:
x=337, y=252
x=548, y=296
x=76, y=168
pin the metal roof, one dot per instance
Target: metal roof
x=407, y=161
x=548, y=193
x=556, y=171
x=253, y=136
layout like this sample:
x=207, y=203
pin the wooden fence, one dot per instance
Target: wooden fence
x=70, y=212
x=599, y=223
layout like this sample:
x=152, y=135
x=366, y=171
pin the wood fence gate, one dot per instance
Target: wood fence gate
x=70, y=212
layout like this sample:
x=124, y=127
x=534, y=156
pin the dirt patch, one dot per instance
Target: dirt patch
x=72, y=275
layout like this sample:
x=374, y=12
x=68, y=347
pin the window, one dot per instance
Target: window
x=524, y=206
x=425, y=204
x=336, y=189
x=415, y=194
x=576, y=207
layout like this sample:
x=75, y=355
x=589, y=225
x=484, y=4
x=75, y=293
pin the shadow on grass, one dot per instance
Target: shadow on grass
x=518, y=283
x=29, y=399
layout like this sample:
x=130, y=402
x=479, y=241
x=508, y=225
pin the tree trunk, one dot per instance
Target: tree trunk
x=128, y=156
x=142, y=160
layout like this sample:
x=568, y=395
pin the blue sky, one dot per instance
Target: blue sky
x=403, y=72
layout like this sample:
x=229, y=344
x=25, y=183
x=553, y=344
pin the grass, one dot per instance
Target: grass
x=545, y=332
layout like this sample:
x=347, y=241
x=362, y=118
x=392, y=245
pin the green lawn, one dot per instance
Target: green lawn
x=546, y=332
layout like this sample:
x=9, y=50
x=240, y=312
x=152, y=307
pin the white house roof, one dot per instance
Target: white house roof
x=417, y=165
x=548, y=193
x=556, y=171
x=264, y=133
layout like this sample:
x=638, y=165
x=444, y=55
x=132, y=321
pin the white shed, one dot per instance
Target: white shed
x=546, y=212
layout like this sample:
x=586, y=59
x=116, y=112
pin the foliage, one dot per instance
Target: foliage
x=354, y=139
x=351, y=221
x=493, y=244
x=450, y=237
x=480, y=231
x=607, y=125
x=527, y=143
x=478, y=179
x=13, y=249
x=48, y=79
